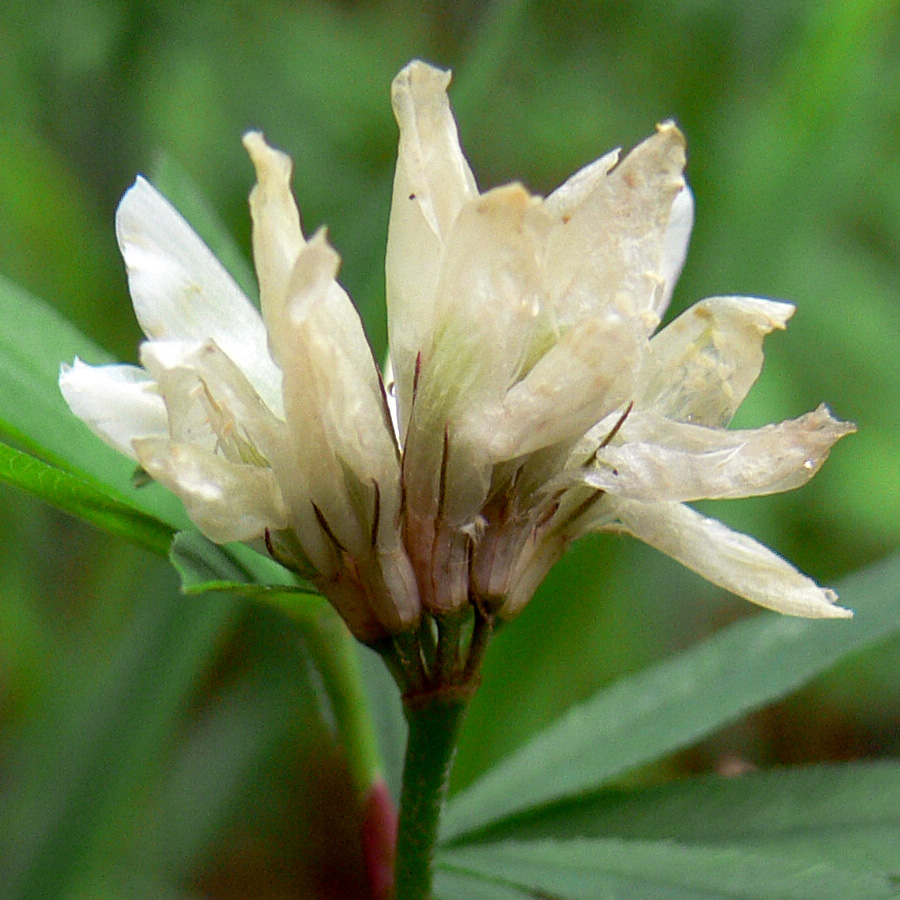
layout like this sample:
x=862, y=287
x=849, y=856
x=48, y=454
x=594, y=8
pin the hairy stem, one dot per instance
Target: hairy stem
x=434, y=724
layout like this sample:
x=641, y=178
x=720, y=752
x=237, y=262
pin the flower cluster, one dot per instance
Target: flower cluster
x=528, y=399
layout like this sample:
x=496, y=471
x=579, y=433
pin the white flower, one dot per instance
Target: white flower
x=529, y=400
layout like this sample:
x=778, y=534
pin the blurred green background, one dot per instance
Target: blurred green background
x=152, y=745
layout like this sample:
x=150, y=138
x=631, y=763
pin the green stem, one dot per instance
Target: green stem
x=434, y=724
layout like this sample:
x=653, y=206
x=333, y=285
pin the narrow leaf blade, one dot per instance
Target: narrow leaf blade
x=846, y=814
x=659, y=870
x=80, y=497
x=675, y=703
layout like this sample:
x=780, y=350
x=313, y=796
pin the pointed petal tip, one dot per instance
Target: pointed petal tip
x=70, y=377
x=320, y=237
x=420, y=78
x=670, y=129
x=137, y=198
x=832, y=610
x=313, y=277
x=65, y=369
x=664, y=151
x=773, y=314
x=318, y=247
x=511, y=197
x=268, y=162
x=254, y=142
x=823, y=415
x=252, y=138
x=767, y=315
x=674, y=140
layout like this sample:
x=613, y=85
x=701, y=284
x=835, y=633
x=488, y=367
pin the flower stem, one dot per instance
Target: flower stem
x=434, y=724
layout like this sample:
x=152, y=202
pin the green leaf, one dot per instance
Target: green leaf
x=675, y=703
x=845, y=814
x=34, y=341
x=658, y=870
x=92, y=502
x=172, y=180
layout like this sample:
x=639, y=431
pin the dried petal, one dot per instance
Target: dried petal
x=700, y=367
x=431, y=183
x=611, y=246
x=656, y=459
x=576, y=383
x=277, y=238
x=727, y=558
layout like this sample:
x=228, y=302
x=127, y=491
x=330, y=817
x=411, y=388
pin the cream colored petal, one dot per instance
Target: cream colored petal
x=277, y=236
x=211, y=404
x=589, y=372
x=701, y=366
x=182, y=292
x=118, y=403
x=675, y=246
x=662, y=460
x=489, y=310
x=430, y=161
x=336, y=412
x=490, y=302
x=431, y=183
x=566, y=199
x=617, y=243
x=727, y=558
x=187, y=404
x=227, y=501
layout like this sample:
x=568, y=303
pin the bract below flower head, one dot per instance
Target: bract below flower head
x=530, y=399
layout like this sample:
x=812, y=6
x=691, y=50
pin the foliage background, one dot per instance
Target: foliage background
x=181, y=738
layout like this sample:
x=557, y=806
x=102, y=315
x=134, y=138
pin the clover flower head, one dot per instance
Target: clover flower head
x=529, y=397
